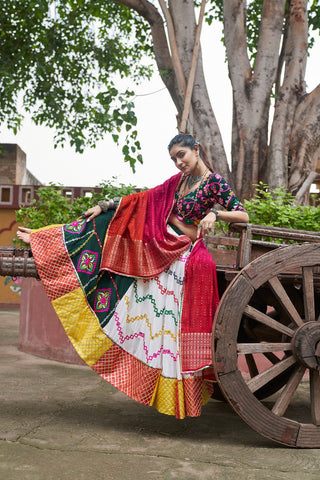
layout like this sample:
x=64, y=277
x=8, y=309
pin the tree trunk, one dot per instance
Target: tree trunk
x=202, y=122
x=289, y=95
x=289, y=158
x=251, y=89
x=304, y=145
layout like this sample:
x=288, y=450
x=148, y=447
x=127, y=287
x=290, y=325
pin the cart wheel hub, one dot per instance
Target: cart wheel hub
x=306, y=345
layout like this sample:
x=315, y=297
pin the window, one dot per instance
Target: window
x=25, y=195
x=68, y=194
x=6, y=195
x=86, y=193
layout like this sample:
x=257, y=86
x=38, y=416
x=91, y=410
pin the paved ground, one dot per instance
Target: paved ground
x=62, y=422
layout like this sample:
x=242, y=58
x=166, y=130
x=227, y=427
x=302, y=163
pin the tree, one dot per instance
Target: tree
x=266, y=48
x=61, y=62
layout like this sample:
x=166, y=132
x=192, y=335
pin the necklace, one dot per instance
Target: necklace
x=181, y=192
x=193, y=180
x=190, y=181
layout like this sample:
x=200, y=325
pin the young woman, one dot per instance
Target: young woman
x=135, y=287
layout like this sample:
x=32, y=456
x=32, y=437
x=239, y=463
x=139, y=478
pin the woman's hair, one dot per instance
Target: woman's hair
x=187, y=140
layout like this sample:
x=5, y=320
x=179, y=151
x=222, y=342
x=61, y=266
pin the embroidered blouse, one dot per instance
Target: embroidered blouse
x=193, y=206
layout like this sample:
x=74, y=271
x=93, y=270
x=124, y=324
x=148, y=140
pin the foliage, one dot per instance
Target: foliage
x=53, y=208
x=254, y=11
x=61, y=62
x=277, y=208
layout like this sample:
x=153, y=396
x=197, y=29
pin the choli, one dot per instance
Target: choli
x=194, y=205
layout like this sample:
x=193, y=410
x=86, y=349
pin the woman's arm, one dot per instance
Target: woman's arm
x=232, y=216
x=207, y=223
x=103, y=206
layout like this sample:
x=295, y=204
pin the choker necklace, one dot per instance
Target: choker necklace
x=193, y=180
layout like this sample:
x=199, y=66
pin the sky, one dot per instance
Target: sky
x=156, y=115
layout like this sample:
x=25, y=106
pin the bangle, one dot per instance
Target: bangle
x=107, y=204
x=217, y=214
x=104, y=205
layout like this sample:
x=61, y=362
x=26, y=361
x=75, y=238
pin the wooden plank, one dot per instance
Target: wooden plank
x=282, y=296
x=284, y=398
x=244, y=248
x=285, y=233
x=266, y=320
x=272, y=357
x=254, y=413
x=263, y=347
x=308, y=294
x=225, y=332
x=315, y=396
x=271, y=245
x=277, y=232
x=271, y=373
x=252, y=366
x=227, y=241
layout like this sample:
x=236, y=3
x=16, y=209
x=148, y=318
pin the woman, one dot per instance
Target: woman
x=136, y=289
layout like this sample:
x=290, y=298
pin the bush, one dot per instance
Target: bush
x=276, y=208
x=53, y=208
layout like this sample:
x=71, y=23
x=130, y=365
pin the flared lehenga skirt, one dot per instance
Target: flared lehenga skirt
x=126, y=329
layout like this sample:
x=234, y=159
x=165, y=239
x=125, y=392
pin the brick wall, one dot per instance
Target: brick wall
x=12, y=164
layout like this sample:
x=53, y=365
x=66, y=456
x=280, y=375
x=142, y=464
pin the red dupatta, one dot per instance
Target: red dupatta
x=138, y=243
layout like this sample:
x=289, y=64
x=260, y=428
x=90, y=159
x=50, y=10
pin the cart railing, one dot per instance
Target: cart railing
x=254, y=240
x=247, y=240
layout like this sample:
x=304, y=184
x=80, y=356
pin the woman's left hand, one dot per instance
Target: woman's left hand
x=206, y=225
x=92, y=212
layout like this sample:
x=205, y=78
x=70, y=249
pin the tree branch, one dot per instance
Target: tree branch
x=160, y=45
x=267, y=59
x=290, y=93
x=234, y=19
x=305, y=188
x=305, y=140
x=192, y=73
x=174, y=50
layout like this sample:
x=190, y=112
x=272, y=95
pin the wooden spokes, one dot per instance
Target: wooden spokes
x=267, y=342
x=285, y=397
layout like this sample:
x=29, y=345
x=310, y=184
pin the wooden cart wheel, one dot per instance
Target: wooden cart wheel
x=271, y=310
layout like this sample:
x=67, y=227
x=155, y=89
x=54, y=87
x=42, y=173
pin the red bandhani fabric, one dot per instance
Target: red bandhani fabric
x=138, y=243
x=200, y=301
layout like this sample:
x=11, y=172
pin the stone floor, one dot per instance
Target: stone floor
x=63, y=422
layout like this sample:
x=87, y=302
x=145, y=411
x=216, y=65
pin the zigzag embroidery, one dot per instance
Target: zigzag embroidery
x=177, y=278
x=183, y=258
x=157, y=312
x=109, y=315
x=144, y=316
x=145, y=348
x=165, y=291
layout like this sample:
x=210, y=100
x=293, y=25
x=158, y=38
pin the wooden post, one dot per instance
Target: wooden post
x=187, y=103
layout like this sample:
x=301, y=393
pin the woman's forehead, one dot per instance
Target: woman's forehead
x=177, y=148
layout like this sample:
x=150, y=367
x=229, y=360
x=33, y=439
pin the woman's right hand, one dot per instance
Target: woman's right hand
x=93, y=212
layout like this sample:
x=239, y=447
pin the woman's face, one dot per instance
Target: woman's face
x=185, y=159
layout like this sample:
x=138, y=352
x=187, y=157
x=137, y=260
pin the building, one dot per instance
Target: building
x=18, y=187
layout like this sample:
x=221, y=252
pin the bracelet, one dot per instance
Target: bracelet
x=104, y=205
x=107, y=204
x=217, y=214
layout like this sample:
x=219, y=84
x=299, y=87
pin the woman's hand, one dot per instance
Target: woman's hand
x=93, y=212
x=206, y=225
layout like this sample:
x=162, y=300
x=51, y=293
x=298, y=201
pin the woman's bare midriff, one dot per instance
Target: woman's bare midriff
x=189, y=230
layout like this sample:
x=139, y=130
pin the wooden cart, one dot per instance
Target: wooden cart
x=266, y=332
